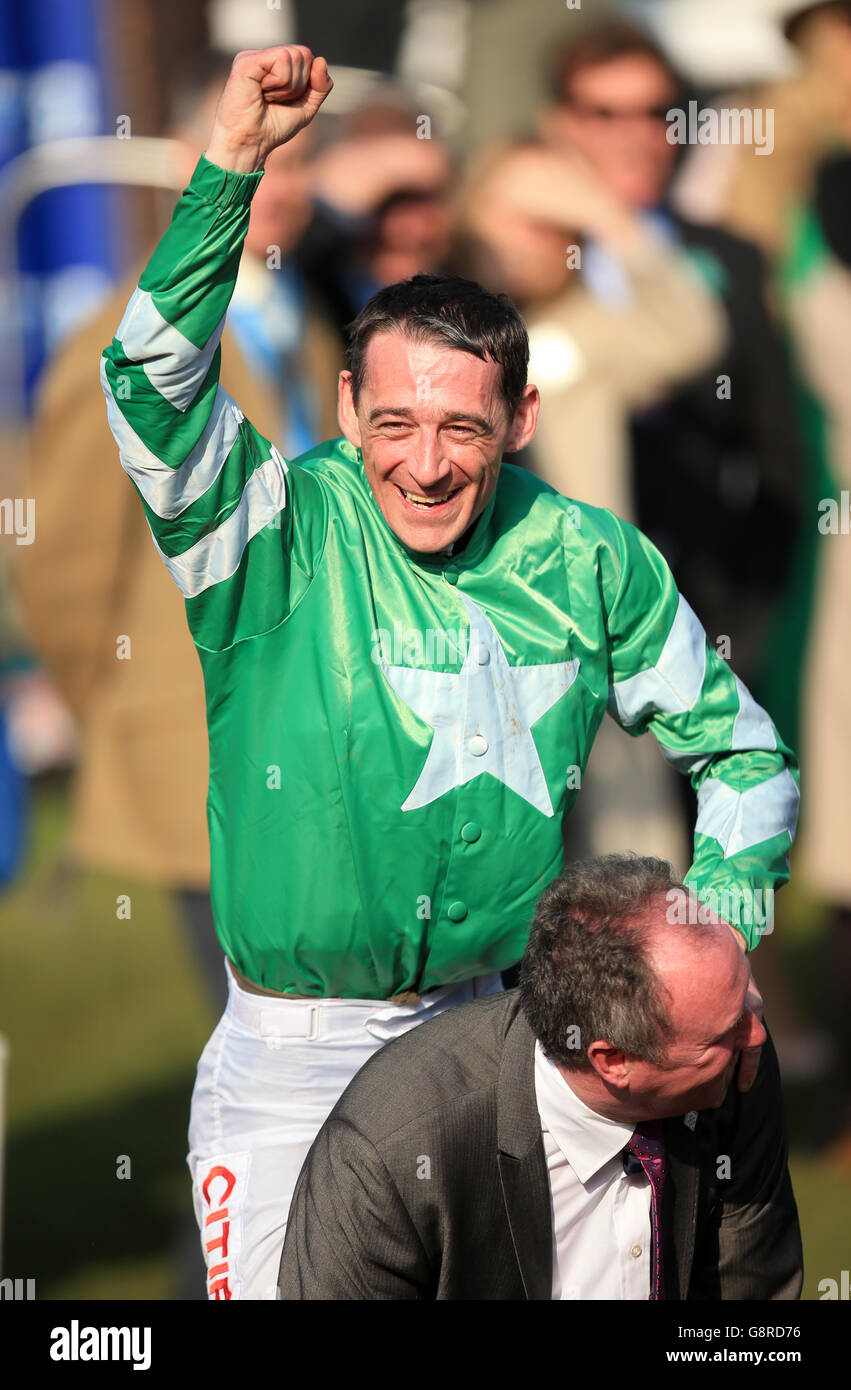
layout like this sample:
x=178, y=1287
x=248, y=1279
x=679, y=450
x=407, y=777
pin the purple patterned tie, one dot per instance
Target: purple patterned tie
x=646, y=1149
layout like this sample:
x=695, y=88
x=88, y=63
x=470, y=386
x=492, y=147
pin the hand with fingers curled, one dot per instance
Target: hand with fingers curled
x=271, y=94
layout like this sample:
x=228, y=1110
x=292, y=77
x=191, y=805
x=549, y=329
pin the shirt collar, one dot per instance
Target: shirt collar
x=587, y=1139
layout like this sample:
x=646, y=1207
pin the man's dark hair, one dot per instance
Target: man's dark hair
x=445, y=309
x=586, y=966
x=603, y=43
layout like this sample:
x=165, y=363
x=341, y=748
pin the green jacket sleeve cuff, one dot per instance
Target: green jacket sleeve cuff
x=224, y=186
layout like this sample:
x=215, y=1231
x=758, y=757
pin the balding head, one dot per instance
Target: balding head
x=640, y=1003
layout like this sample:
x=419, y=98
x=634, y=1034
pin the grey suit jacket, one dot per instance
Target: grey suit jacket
x=428, y=1180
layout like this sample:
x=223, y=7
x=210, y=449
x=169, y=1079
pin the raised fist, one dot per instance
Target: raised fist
x=271, y=94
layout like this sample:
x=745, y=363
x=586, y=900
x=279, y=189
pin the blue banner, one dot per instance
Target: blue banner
x=51, y=88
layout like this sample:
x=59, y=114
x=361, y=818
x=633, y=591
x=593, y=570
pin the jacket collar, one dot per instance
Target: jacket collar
x=587, y=1139
x=521, y=1159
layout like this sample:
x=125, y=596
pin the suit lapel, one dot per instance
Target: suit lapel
x=526, y=1188
x=679, y=1206
x=522, y=1165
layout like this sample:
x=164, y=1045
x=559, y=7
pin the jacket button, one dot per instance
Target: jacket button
x=457, y=912
x=451, y=576
x=477, y=745
x=471, y=832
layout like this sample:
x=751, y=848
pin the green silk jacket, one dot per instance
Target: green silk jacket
x=395, y=737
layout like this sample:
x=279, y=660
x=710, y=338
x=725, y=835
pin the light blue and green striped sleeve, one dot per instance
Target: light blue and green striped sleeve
x=667, y=678
x=218, y=496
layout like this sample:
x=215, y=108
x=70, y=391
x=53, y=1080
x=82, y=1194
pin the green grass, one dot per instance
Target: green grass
x=105, y=1020
x=824, y=1202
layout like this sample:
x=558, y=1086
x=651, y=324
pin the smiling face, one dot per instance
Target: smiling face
x=432, y=424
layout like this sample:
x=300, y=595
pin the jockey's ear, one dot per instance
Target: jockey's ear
x=347, y=417
x=524, y=421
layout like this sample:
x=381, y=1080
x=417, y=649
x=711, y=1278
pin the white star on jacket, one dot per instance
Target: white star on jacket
x=482, y=717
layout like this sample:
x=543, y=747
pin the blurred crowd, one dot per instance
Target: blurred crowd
x=689, y=314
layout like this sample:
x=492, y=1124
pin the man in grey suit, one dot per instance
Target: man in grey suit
x=576, y=1138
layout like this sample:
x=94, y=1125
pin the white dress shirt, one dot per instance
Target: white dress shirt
x=601, y=1218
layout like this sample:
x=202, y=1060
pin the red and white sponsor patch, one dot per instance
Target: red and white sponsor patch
x=221, y=1184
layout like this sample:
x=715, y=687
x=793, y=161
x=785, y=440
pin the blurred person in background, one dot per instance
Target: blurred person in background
x=381, y=206
x=92, y=579
x=530, y=220
x=717, y=463
x=527, y=219
x=760, y=196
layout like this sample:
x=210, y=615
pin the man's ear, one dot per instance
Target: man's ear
x=524, y=420
x=347, y=417
x=610, y=1064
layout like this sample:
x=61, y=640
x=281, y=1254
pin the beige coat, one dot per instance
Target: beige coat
x=595, y=364
x=92, y=577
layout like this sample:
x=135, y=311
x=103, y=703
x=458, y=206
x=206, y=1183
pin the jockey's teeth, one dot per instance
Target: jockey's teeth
x=425, y=502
